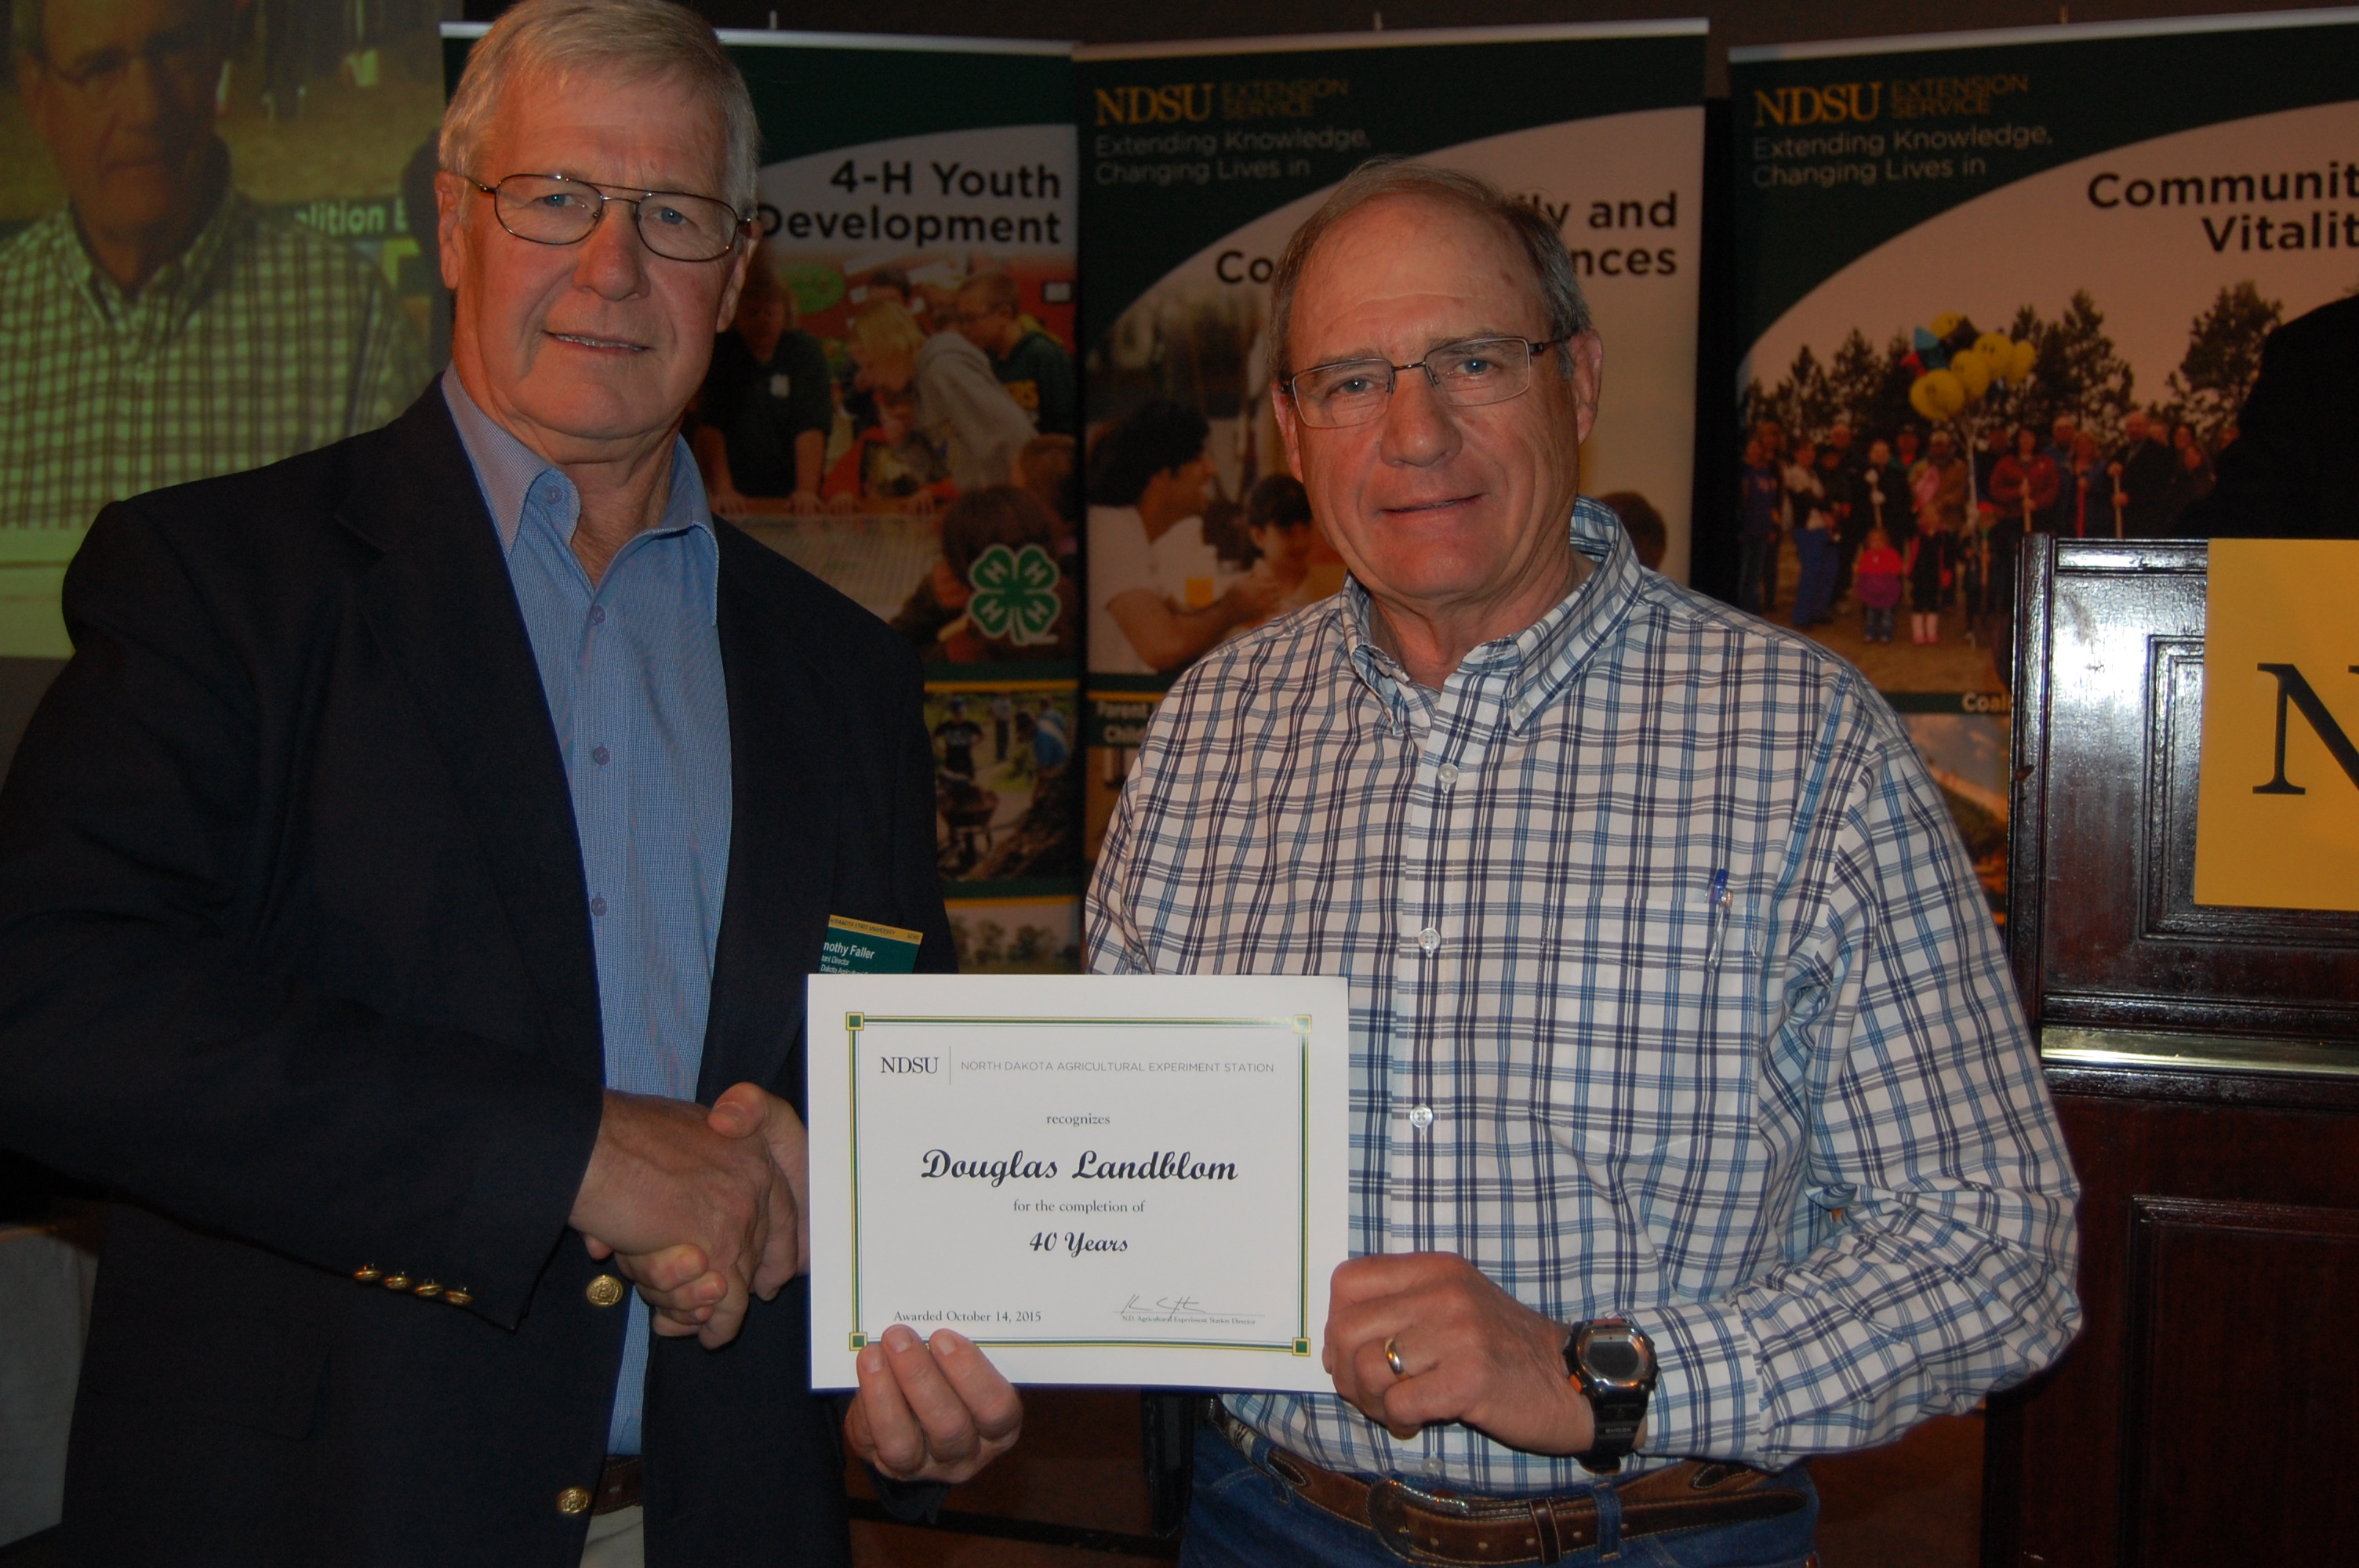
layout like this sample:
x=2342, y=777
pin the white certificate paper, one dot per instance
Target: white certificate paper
x=1097, y=1179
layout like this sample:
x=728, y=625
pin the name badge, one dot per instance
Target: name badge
x=864, y=947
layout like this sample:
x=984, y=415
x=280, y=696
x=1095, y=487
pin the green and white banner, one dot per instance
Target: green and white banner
x=1200, y=160
x=2002, y=283
x=919, y=204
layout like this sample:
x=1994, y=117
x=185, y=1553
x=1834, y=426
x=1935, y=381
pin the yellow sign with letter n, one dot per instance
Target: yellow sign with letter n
x=2277, y=810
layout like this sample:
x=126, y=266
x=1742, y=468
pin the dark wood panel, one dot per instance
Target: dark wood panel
x=2234, y=1335
x=2104, y=929
x=2054, y=1488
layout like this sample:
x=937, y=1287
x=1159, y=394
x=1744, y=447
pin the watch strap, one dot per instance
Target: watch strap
x=1616, y=1412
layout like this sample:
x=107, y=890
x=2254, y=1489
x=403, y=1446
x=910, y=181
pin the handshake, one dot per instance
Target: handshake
x=703, y=1211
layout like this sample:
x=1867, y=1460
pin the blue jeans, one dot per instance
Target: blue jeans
x=1756, y=574
x=1244, y=1517
x=1814, y=593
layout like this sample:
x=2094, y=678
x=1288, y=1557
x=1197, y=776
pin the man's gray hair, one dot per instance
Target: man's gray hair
x=614, y=42
x=1379, y=177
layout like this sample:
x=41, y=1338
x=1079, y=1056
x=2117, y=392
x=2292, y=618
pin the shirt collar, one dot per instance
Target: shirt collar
x=507, y=471
x=1539, y=661
x=177, y=284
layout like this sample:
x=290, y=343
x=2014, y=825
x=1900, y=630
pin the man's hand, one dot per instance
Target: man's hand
x=930, y=1411
x=687, y=1213
x=748, y=1110
x=1469, y=1351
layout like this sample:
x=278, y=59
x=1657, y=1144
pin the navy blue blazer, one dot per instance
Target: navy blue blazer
x=295, y=958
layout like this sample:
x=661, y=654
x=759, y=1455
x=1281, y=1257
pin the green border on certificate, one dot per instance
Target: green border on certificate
x=853, y=1022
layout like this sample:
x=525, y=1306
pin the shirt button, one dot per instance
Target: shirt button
x=1522, y=711
x=598, y=615
x=598, y=905
x=1447, y=772
x=1428, y=938
x=599, y=755
x=1421, y=1118
x=551, y=494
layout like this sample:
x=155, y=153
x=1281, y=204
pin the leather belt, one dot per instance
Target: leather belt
x=1444, y=1527
x=619, y=1486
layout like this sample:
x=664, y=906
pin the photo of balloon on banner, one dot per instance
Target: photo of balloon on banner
x=2021, y=288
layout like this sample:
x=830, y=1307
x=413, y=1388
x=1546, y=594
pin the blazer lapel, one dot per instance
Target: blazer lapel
x=439, y=601
x=781, y=840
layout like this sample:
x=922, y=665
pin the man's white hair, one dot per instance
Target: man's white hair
x=608, y=42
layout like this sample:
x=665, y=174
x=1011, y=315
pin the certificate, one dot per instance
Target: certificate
x=1098, y=1179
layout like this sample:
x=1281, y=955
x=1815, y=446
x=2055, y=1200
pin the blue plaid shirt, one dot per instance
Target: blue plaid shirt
x=1797, y=1131
x=631, y=665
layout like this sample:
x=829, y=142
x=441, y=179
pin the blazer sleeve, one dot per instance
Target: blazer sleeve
x=146, y=1041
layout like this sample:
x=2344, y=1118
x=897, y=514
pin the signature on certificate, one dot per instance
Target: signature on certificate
x=1181, y=1308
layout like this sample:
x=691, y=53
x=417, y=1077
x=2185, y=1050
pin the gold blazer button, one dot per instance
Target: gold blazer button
x=604, y=1291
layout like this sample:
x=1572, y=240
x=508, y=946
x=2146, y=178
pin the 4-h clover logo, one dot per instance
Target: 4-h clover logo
x=1015, y=594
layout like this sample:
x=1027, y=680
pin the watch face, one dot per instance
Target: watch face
x=1615, y=1360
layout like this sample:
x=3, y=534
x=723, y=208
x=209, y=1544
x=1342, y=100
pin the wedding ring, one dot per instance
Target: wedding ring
x=1392, y=1357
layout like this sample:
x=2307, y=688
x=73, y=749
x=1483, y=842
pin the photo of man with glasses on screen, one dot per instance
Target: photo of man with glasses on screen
x=161, y=326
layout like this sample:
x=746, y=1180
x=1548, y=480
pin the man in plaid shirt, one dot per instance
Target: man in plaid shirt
x=1695, y=1125
x=160, y=327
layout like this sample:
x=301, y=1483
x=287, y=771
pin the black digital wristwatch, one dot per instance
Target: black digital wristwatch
x=1613, y=1365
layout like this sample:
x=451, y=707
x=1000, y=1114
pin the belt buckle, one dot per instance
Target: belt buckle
x=1390, y=1503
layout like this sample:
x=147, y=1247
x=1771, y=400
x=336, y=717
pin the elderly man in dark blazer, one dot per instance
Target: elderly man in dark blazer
x=405, y=894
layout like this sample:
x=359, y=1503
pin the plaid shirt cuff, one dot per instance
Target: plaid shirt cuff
x=1707, y=1403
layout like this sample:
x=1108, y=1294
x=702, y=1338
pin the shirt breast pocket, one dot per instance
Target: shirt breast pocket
x=1646, y=1077
x=1632, y=976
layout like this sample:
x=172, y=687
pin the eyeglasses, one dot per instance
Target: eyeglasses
x=1465, y=374
x=551, y=210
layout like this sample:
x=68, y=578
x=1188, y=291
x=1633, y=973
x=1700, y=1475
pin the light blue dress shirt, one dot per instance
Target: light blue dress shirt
x=631, y=665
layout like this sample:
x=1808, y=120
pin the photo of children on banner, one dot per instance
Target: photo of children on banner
x=1031, y=936
x=885, y=452
x=1005, y=791
x=999, y=590
x=1032, y=366
x=768, y=403
x=1161, y=593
